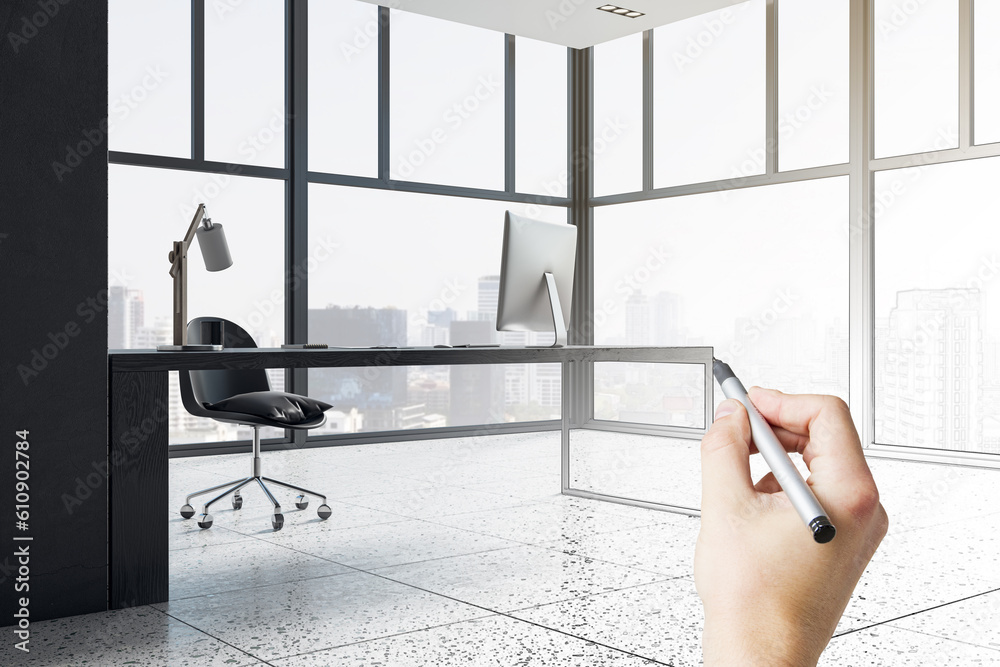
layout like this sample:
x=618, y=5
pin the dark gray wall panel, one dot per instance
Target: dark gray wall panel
x=53, y=277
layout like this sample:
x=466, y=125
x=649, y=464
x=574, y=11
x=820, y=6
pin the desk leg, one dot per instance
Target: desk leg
x=137, y=489
x=566, y=402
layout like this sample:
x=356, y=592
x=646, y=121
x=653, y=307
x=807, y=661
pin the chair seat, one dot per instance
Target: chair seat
x=275, y=408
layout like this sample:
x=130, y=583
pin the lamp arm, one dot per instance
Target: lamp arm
x=198, y=215
x=175, y=257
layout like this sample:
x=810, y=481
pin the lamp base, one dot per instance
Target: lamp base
x=188, y=348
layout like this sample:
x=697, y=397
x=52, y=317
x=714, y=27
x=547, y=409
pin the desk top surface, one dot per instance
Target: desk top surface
x=123, y=361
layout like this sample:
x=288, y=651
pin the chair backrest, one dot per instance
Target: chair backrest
x=200, y=387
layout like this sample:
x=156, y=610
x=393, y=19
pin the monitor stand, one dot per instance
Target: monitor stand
x=558, y=323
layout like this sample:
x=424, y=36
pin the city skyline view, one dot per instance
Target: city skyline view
x=922, y=348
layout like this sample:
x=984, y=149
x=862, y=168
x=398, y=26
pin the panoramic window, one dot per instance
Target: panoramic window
x=676, y=272
x=709, y=91
x=449, y=249
x=916, y=76
x=446, y=113
x=936, y=299
x=149, y=77
x=343, y=87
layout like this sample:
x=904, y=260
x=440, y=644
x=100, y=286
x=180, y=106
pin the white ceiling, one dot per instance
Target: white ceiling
x=574, y=23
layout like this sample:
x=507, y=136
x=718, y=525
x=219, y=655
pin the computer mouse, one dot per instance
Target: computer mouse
x=442, y=346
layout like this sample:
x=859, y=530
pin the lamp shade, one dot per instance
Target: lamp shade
x=214, y=248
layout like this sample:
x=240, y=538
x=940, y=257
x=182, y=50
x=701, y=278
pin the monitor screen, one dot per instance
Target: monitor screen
x=536, y=276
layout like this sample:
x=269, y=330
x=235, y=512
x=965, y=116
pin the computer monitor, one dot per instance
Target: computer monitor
x=536, y=276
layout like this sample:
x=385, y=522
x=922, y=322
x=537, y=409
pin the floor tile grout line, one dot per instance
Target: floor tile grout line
x=357, y=569
x=617, y=530
x=666, y=580
x=209, y=634
x=921, y=611
x=521, y=503
x=430, y=520
x=929, y=570
x=590, y=641
x=949, y=639
x=397, y=634
x=261, y=533
x=264, y=537
x=490, y=613
x=253, y=588
x=478, y=606
x=585, y=639
x=515, y=544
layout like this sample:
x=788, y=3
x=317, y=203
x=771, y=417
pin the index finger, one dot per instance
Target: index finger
x=828, y=441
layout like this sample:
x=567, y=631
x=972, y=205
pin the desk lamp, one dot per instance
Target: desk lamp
x=215, y=251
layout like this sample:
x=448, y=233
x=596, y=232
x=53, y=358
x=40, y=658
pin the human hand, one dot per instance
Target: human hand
x=772, y=595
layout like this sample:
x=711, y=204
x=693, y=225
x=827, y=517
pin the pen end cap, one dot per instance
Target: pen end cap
x=823, y=530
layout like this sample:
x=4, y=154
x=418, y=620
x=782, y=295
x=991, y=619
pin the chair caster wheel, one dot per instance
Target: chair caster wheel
x=187, y=511
x=205, y=521
x=277, y=521
x=301, y=502
x=237, y=501
x=324, y=511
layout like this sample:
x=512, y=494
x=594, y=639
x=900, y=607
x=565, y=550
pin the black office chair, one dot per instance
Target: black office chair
x=244, y=397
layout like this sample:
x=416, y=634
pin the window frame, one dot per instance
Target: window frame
x=580, y=200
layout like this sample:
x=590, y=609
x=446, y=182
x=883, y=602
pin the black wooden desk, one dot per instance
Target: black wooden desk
x=138, y=430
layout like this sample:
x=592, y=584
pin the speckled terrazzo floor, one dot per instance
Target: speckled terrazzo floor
x=463, y=552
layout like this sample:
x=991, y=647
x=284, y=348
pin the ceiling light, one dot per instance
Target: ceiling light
x=621, y=11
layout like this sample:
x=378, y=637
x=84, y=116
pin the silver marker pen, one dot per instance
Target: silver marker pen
x=798, y=492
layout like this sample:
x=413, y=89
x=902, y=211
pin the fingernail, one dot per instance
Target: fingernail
x=727, y=407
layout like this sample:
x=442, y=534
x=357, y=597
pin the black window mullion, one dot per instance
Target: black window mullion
x=509, y=126
x=296, y=190
x=383, y=94
x=198, y=80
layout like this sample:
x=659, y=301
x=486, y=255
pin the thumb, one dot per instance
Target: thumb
x=725, y=460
